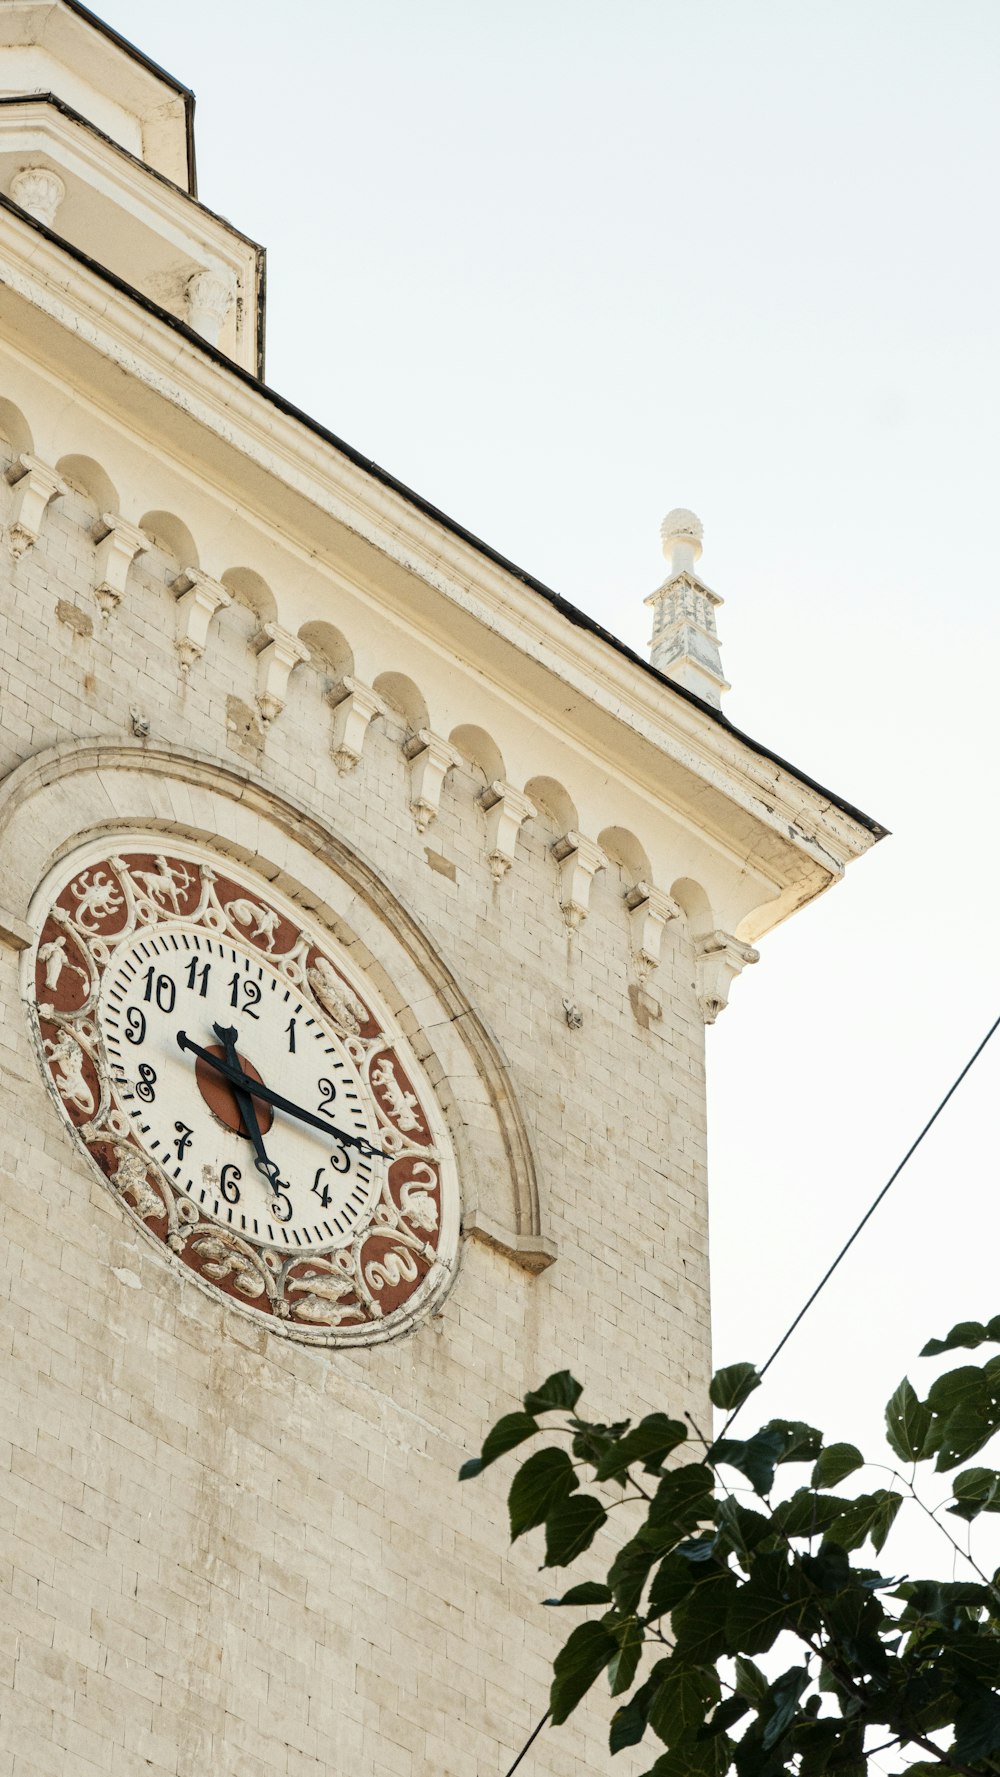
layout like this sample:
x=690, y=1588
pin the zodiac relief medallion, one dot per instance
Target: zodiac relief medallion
x=244, y=1094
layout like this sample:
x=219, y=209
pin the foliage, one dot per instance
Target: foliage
x=728, y=1553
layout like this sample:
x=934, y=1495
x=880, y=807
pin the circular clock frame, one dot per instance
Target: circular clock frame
x=382, y=1267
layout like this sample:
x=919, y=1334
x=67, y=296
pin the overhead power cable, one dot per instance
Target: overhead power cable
x=824, y=1280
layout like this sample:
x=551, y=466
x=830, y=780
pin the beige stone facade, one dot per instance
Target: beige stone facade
x=222, y=1549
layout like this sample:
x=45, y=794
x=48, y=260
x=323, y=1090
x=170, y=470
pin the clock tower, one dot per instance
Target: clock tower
x=363, y=906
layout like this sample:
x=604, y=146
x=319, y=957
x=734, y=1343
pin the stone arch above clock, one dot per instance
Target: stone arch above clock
x=71, y=794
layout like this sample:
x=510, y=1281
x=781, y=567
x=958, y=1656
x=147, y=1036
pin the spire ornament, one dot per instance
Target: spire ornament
x=685, y=643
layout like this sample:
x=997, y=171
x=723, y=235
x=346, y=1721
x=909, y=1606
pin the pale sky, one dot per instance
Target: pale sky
x=562, y=265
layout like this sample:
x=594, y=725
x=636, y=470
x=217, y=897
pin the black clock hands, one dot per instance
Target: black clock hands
x=227, y=1035
x=244, y=1086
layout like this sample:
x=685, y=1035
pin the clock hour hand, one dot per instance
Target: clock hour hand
x=237, y=1078
x=228, y=1037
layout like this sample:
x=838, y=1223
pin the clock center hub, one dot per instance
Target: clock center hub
x=220, y=1097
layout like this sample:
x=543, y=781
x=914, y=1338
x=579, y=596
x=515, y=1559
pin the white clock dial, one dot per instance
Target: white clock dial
x=297, y=1186
x=243, y=1089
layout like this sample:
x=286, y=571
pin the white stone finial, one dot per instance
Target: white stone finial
x=682, y=535
x=40, y=191
x=685, y=643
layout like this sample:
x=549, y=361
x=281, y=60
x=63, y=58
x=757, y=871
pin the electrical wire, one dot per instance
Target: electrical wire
x=824, y=1280
x=869, y=1212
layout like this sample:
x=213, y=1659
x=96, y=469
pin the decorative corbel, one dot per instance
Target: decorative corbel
x=118, y=545
x=355, y=706
x=198, y=599
x=431, y=759
x=649, y=911
x=34, y=484
x=579, y=860
x=280, y=653
x=719, y=958
x=505, y=809
x=210, y=295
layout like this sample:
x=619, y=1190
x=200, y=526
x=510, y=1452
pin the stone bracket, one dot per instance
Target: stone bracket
x=431, y=759
x=505, y=809
x=34, y=484
x=719, y=958
x=650, y=910
x=533, y=1252
x=355, y=706
x=198, y=599
x=281, y=652
x=579, y=860
x=118, y=545
x=14, y=932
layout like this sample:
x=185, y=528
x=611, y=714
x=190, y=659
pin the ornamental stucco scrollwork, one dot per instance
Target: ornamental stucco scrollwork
x=401, y=1253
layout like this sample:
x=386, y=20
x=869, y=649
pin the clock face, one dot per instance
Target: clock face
x=165, y=1001
x=245, y=1094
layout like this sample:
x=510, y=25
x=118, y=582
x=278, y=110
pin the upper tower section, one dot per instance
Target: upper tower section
x=97, y=144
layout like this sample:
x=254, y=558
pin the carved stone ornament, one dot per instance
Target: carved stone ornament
x=719, y=958
x=163, y=980
x=34, y=483
x=40, y=191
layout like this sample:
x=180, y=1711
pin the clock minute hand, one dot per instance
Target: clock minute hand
x=238, y=1079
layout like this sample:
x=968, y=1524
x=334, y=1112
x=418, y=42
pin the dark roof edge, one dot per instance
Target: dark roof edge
x=578, y=618
x=10, y=101
x=145, y=61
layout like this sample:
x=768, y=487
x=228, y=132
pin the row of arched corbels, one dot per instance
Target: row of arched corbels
x=119, y=543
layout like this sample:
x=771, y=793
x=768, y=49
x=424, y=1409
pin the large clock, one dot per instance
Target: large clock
x=245, y=1093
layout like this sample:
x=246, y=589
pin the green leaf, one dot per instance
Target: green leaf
x=835, y=1463
x=818, y=1742
x=570, y=1527
x=907, y=1423
x=967, y=1334
x=649, y=1443
x=561, y=1391
x=699, y=1622
x=675, y=1578
x=870, y=1515
x=829, y=1571
x=731, y=1386
x=622, y=1669
x=508, y=1432
x=629, y=1723
x=966, y=1406
x=699, y=1548
x=729, y=1712
x=545, y=1480
x=629, y=1572
x=588, y=1592
x=762, y=1606
x=976, y=1490
x=740, y=1529
x=591, y=1443
x=755, y=1457
x=749, y=1681
x=977, y=1724
x=682, y=1701
x=802, y=1443
x=807, y=1513
x=683, y=1500
x=785, y=1696
x=590, y=1648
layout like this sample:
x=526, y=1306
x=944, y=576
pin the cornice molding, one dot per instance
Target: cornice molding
x=752, y=804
